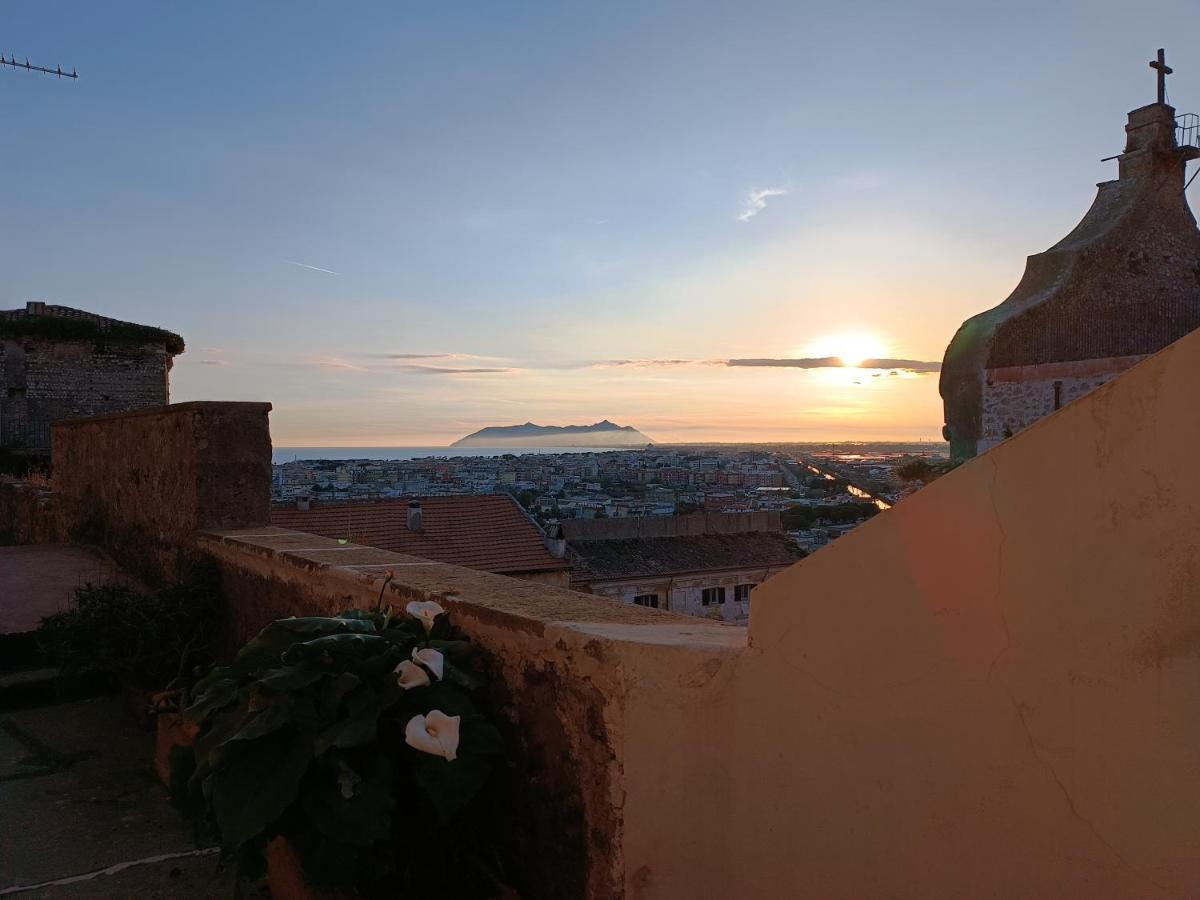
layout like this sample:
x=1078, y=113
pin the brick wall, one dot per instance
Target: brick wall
x=43, y=381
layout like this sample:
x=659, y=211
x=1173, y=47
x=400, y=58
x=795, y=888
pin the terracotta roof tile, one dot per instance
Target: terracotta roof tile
x=491, y=533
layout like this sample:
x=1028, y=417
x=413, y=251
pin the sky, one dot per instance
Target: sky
x=401, y=222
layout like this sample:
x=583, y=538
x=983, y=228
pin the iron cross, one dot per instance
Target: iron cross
x=1164, y=70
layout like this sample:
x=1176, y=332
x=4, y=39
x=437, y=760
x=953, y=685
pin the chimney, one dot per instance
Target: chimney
x=302, y=504
x=414, y=515
x=556, y=541
x=35, y=308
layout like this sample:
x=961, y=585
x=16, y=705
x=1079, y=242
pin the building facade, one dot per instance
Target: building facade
x=1121, y=286
x=58, y=363
x=697, y=565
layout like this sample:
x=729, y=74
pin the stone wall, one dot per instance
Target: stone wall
x=1017, y=396
x=142, y=484
x=44, y=381
x=990, y=690
x=565, y=667
x=27, y=514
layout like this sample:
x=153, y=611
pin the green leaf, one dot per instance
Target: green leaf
x=478, y=736
x=450, y=786
x=332, y=646
x=263, y=722
x=219, y=695
x=462, y=678
x=255, y=786
x=361, y=724
x=352, y=805
x=330, y=701
x=319, y=625
x=291, y=678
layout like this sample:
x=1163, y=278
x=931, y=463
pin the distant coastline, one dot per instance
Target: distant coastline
x=282, y=455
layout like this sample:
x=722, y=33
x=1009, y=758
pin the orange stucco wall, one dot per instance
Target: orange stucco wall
x=992, y=690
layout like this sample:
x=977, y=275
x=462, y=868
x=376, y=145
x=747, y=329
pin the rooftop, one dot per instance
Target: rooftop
x=633, y=557
x=490, y=533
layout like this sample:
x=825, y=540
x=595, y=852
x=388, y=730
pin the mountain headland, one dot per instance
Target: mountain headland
x=601, y=434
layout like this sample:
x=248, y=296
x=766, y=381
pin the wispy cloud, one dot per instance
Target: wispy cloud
x=333, y=362
x=832, y=362
x=756, y=202
x=644, y=363
x=292, y=262
x=215, y=362
x=444, y=370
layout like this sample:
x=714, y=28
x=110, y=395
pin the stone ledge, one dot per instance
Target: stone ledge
x=191, y=406
x=359, y=571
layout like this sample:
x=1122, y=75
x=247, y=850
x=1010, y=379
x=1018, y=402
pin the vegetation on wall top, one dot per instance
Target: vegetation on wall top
x=56, y=328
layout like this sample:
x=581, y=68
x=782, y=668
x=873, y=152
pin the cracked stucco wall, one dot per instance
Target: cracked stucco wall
x=991, y=690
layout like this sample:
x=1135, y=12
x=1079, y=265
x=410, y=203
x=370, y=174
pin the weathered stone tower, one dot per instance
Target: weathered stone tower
x=57, y=363
x=1122, y=285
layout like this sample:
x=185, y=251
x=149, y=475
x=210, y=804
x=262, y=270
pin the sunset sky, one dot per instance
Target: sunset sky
x=401, y=222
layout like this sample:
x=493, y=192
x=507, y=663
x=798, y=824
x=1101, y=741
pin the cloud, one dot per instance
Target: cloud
x=756, y=202
x=213, y=350
x=832, y=362
x=409, y=355
x=443, y=370
x=333, y=362
x=215, y=362
x=292, y=262
x=644, y=363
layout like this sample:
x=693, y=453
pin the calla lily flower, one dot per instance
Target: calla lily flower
x=426, y=611
x=409, y=675
x=435, y=733
x=431, y=659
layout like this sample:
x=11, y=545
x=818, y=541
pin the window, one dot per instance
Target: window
x=712, y=596
x=650, y=600
x=741, y=593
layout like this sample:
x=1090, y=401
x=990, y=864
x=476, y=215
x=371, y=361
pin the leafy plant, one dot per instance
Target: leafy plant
x=124, y=637
x=357, y=737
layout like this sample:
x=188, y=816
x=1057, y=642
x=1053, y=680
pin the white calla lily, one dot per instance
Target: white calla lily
x=435, y=733
x=409, y=675
x=431, y=659
x=426, y=611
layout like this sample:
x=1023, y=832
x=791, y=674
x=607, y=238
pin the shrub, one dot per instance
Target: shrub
x=124, y=637
x=357, y=737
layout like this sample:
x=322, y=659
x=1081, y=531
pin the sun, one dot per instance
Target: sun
x=851, y=349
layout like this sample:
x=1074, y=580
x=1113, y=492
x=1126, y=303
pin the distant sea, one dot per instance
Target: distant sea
x=288, y=454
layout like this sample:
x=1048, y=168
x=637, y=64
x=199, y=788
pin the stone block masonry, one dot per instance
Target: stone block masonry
x=59, y=363
x=1015, y=397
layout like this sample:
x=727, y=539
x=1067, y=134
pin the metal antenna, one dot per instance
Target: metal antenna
x=12, y=61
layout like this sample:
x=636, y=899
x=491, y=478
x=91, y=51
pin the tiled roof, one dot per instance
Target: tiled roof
x=491, y=533
x=641, y=557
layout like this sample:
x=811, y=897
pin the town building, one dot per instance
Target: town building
x=58, y=363
x=491, y=533
x=1121, y=286
x=698, y=565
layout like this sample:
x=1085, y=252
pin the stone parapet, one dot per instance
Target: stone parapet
x=141, y=484
x=576, y=679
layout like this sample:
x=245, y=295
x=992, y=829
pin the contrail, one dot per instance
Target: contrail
x=292, y=262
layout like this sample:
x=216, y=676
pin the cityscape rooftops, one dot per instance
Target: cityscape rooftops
x=491, y=533
x=641, y=557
